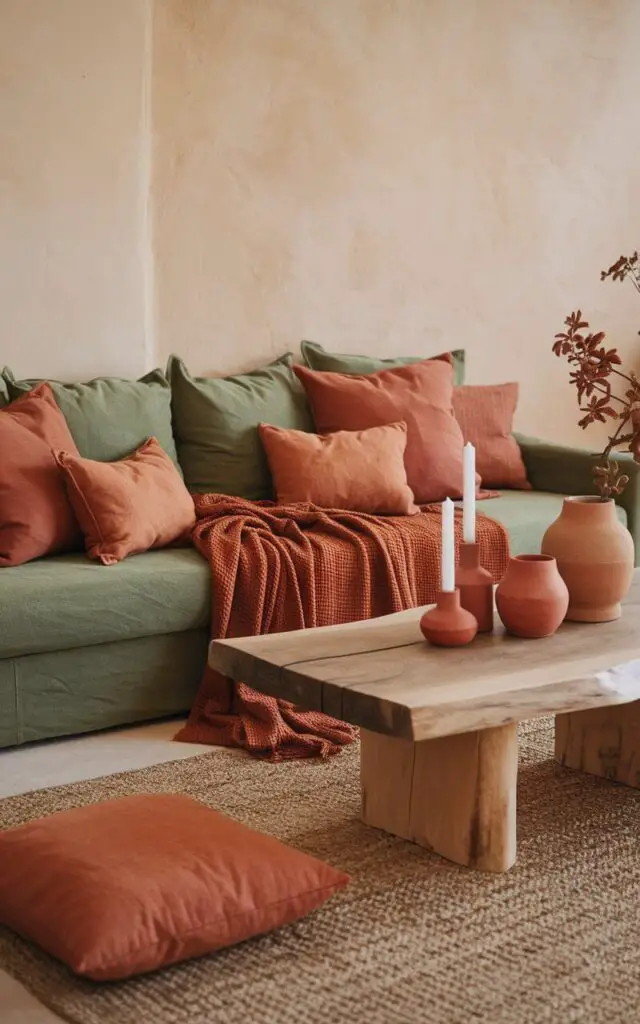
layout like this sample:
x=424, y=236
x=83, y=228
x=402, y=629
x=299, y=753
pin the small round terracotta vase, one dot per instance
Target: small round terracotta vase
x=447, y=624
x=532, y=599
x=595, y=555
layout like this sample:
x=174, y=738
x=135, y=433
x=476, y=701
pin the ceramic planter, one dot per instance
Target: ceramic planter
x=532, y=599
x=595, y=555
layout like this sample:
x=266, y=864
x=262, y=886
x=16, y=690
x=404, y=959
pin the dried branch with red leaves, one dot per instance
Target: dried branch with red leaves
x=594, y=371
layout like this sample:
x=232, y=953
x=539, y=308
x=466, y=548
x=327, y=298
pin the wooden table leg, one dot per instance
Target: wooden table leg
x=602, y=741
x=455, y=795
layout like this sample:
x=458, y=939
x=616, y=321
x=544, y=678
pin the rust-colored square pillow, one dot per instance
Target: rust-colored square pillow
x=485, y=413
x=36, y=517
x=420, y=395
x=124, y=887
x=357, y=470
x=129, y=506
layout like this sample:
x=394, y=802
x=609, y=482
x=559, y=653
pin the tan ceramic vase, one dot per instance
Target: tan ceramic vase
x=532, y=598
x=595, y=556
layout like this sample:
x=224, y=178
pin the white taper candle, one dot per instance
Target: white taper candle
x=448, y=547
x=469, y=495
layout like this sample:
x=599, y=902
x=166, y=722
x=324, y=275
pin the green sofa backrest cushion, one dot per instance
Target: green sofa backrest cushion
x=110, y=417
x=216, y=421
x=317, y=358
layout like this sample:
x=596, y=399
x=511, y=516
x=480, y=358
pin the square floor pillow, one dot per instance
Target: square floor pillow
x=317, y=358
x=216, y=425
x=485, y=413
x=127, y=886
x=136, y=504
x=419, y=395
x=356, y=470
x=36, y=517
x=110, y=417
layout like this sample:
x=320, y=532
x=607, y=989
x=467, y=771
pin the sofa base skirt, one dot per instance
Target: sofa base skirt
x=64, y=693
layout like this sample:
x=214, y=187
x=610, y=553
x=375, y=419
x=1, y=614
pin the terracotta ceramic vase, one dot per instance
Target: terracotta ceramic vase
x=532, y=599
x=476, y=586
x=595, y=555
x=447, y=624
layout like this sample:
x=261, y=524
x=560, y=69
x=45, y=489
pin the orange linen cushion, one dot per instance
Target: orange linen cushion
x=485, y=413
x=357, y=470
x=420, y=395
x=35, y=515
x=123, y=887
x=124, y=507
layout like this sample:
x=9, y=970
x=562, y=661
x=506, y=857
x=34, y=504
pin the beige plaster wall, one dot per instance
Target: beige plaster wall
x=395, y=177
x=74, y=139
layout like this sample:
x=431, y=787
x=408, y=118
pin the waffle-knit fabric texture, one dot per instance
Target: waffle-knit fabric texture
x=279, y=568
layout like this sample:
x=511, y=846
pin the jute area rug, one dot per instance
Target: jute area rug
x=413, y=939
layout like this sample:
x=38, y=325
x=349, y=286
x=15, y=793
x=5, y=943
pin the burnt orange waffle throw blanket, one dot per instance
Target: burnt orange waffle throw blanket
x=276, y=568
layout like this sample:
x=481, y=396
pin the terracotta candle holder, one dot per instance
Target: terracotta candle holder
x=476, y=586
x=448, y=624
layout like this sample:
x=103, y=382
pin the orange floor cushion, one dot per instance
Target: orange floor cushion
x=127, y=886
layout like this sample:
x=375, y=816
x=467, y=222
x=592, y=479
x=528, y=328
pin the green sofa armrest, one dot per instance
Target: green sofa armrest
x=563, y=470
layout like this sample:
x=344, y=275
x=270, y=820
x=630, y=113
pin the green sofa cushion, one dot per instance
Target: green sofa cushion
x=526, y=515
x=216, y=425
x=62, y=693
x=317, y=358
x=110, y=417
x=8, y=701
x=68, y=601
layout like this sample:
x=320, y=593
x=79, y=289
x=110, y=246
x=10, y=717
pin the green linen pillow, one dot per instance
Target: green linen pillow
x=110, y=417
x=317, y=358
x=216, y=425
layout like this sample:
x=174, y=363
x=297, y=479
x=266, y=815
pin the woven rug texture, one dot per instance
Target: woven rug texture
x=413, y=938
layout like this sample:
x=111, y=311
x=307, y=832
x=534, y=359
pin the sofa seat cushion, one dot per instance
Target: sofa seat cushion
x=66, y=602
x=526, y=516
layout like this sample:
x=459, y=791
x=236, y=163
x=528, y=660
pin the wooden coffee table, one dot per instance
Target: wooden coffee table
x=439, y=754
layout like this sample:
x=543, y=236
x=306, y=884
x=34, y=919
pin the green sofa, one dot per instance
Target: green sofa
x=86, y=647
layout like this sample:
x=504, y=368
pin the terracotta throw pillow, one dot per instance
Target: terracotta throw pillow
x=123, y=887
x=485, y=413
x=36, y=518
x=420, y=395
x=316, y=357
x=128, y=506
x=356, y=470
